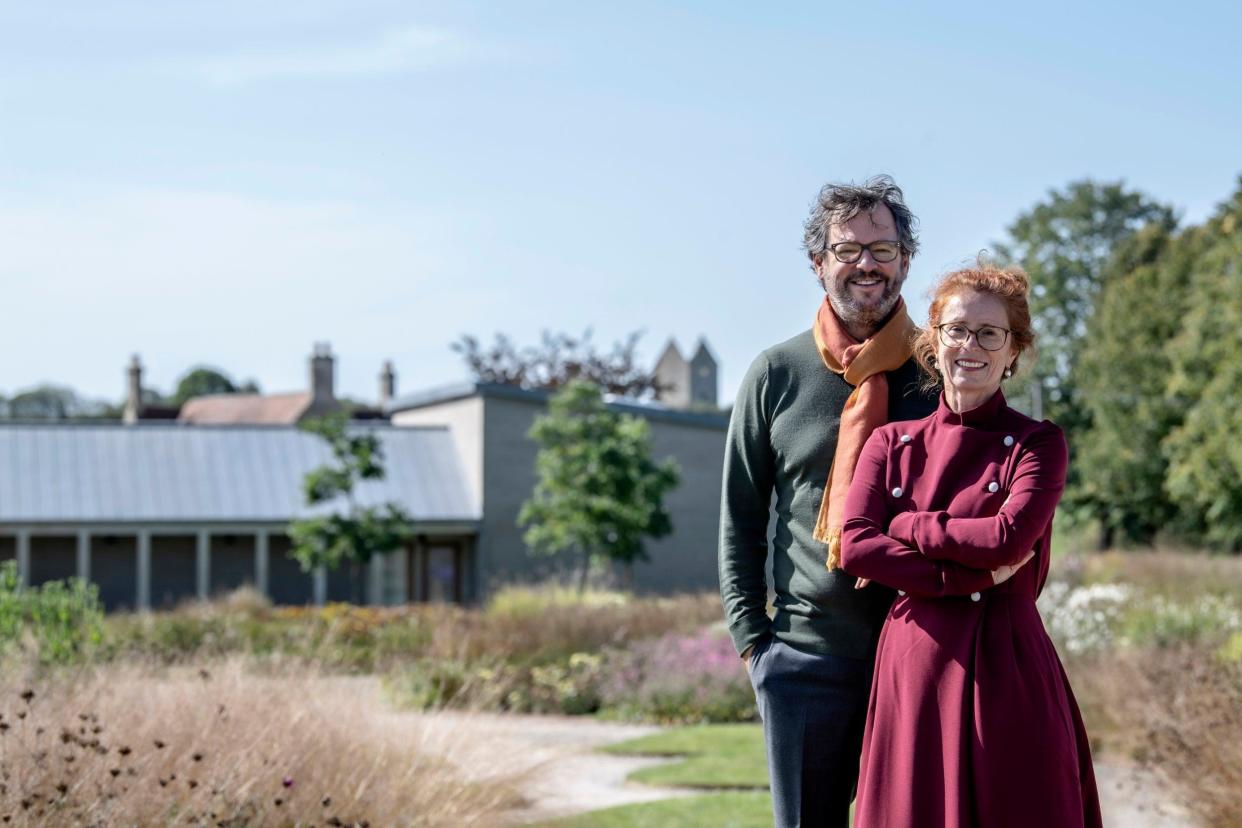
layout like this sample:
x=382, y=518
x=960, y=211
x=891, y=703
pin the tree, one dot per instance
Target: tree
x=1064, y=244
x=1204, y=452
x=53, y=402
x=599, y=491
x=558, y=360
x=1124, y=371
x=359, y=533
x=203, y=380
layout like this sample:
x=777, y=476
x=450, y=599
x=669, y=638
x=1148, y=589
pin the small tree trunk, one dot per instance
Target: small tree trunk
x=1106, y=538
x=355, y=586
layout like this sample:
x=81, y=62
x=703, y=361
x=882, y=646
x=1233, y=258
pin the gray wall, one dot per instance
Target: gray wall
x=686, y=560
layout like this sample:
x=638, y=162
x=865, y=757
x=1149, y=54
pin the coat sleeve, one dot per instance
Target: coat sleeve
x=1004, y=539
x=749, y=474
x=868, y=552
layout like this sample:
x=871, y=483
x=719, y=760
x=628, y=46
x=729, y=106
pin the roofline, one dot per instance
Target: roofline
x=61, y=527
x=174, y=425
x=460, y=391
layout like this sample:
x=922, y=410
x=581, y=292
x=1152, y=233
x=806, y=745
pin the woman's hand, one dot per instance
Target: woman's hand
x=1004, y=573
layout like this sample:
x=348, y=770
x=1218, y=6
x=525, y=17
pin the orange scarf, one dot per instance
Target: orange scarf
x=862, y=364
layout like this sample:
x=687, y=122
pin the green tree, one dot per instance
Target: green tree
x=1204, y=452
x=203, y=380
x=1064, y=243
x=599, y=493
x=1124, y=372
x=357, y=533
x=52, y=402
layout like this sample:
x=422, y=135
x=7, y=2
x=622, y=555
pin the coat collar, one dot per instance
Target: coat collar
x=979, y=417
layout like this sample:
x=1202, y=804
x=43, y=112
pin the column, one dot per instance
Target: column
x=202, y=560
x=23, y=556
x=321, y=586
x=261, y=561
x=84, y=554
x=400, y=575
x=375, y=580
x=144, y=570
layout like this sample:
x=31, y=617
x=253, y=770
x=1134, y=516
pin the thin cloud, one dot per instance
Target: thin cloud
x=399, y=51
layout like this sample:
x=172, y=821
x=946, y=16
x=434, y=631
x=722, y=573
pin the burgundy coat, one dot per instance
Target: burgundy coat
x=971, y=720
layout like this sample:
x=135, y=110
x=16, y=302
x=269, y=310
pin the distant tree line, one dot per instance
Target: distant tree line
x=59, y=402
x=1140, y=338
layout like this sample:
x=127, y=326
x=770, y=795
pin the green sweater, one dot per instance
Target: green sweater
x=782, y=437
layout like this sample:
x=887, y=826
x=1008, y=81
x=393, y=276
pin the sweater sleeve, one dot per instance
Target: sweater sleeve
x=868, y=552
x=749, y=474
x=1003, y=539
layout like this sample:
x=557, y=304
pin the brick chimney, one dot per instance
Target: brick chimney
x=322, y=375
x=133, y=396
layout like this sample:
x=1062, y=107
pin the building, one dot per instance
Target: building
x=687, y=384
x=488, y=425
x=162, y=512
x=186, y=503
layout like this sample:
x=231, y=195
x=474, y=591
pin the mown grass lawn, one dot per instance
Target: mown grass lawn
x=717, y=756
x=721, y=757
x=728, y=809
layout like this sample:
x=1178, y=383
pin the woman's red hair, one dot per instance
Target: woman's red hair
x=1008, y=284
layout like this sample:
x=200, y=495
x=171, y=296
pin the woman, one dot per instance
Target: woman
x=971, y=720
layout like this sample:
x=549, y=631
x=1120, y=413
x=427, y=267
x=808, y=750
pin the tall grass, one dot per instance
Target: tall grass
x=139, y=745
x=1153, y=645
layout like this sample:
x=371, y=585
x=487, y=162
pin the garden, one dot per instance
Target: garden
x=236, y=712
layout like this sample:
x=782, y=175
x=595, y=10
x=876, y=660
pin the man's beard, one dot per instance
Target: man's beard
x=863, y=314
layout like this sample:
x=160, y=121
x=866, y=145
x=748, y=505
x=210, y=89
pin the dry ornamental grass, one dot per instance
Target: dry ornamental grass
x=125, y=745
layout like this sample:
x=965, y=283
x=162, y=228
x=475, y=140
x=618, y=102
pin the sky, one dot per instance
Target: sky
x=227, y=183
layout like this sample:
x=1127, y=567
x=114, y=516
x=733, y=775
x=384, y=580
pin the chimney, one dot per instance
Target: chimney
x=133, y=397
x=322, y=372
x=388, y=384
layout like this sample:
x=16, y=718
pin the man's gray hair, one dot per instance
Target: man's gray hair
x=838, y=203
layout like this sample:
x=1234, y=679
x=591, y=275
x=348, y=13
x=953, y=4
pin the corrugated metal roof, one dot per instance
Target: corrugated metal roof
x=177, y=473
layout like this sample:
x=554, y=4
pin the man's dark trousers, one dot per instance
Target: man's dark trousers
x=813, y=709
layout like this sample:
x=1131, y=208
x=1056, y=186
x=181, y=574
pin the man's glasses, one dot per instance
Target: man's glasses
x=848, y=252
x=989, y=337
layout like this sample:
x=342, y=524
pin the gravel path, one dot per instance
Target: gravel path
x=567, y=773
x=1134, y=798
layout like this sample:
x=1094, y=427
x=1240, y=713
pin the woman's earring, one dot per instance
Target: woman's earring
x=1008, y=373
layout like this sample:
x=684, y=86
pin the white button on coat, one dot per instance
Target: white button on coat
x=993, y=486
x=897, y=491
x=905, y=438
x=1008, y=440
x=974, y=596
x=901, y=592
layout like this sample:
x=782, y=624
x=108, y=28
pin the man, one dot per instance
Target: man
x=793, y=433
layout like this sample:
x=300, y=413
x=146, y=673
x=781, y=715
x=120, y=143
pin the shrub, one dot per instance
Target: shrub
x=534, y=600
x=56, y=623
x=1208, y=619
x=1083, y=619
x=680, y=679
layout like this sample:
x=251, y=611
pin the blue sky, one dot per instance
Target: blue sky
x=228, y=182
